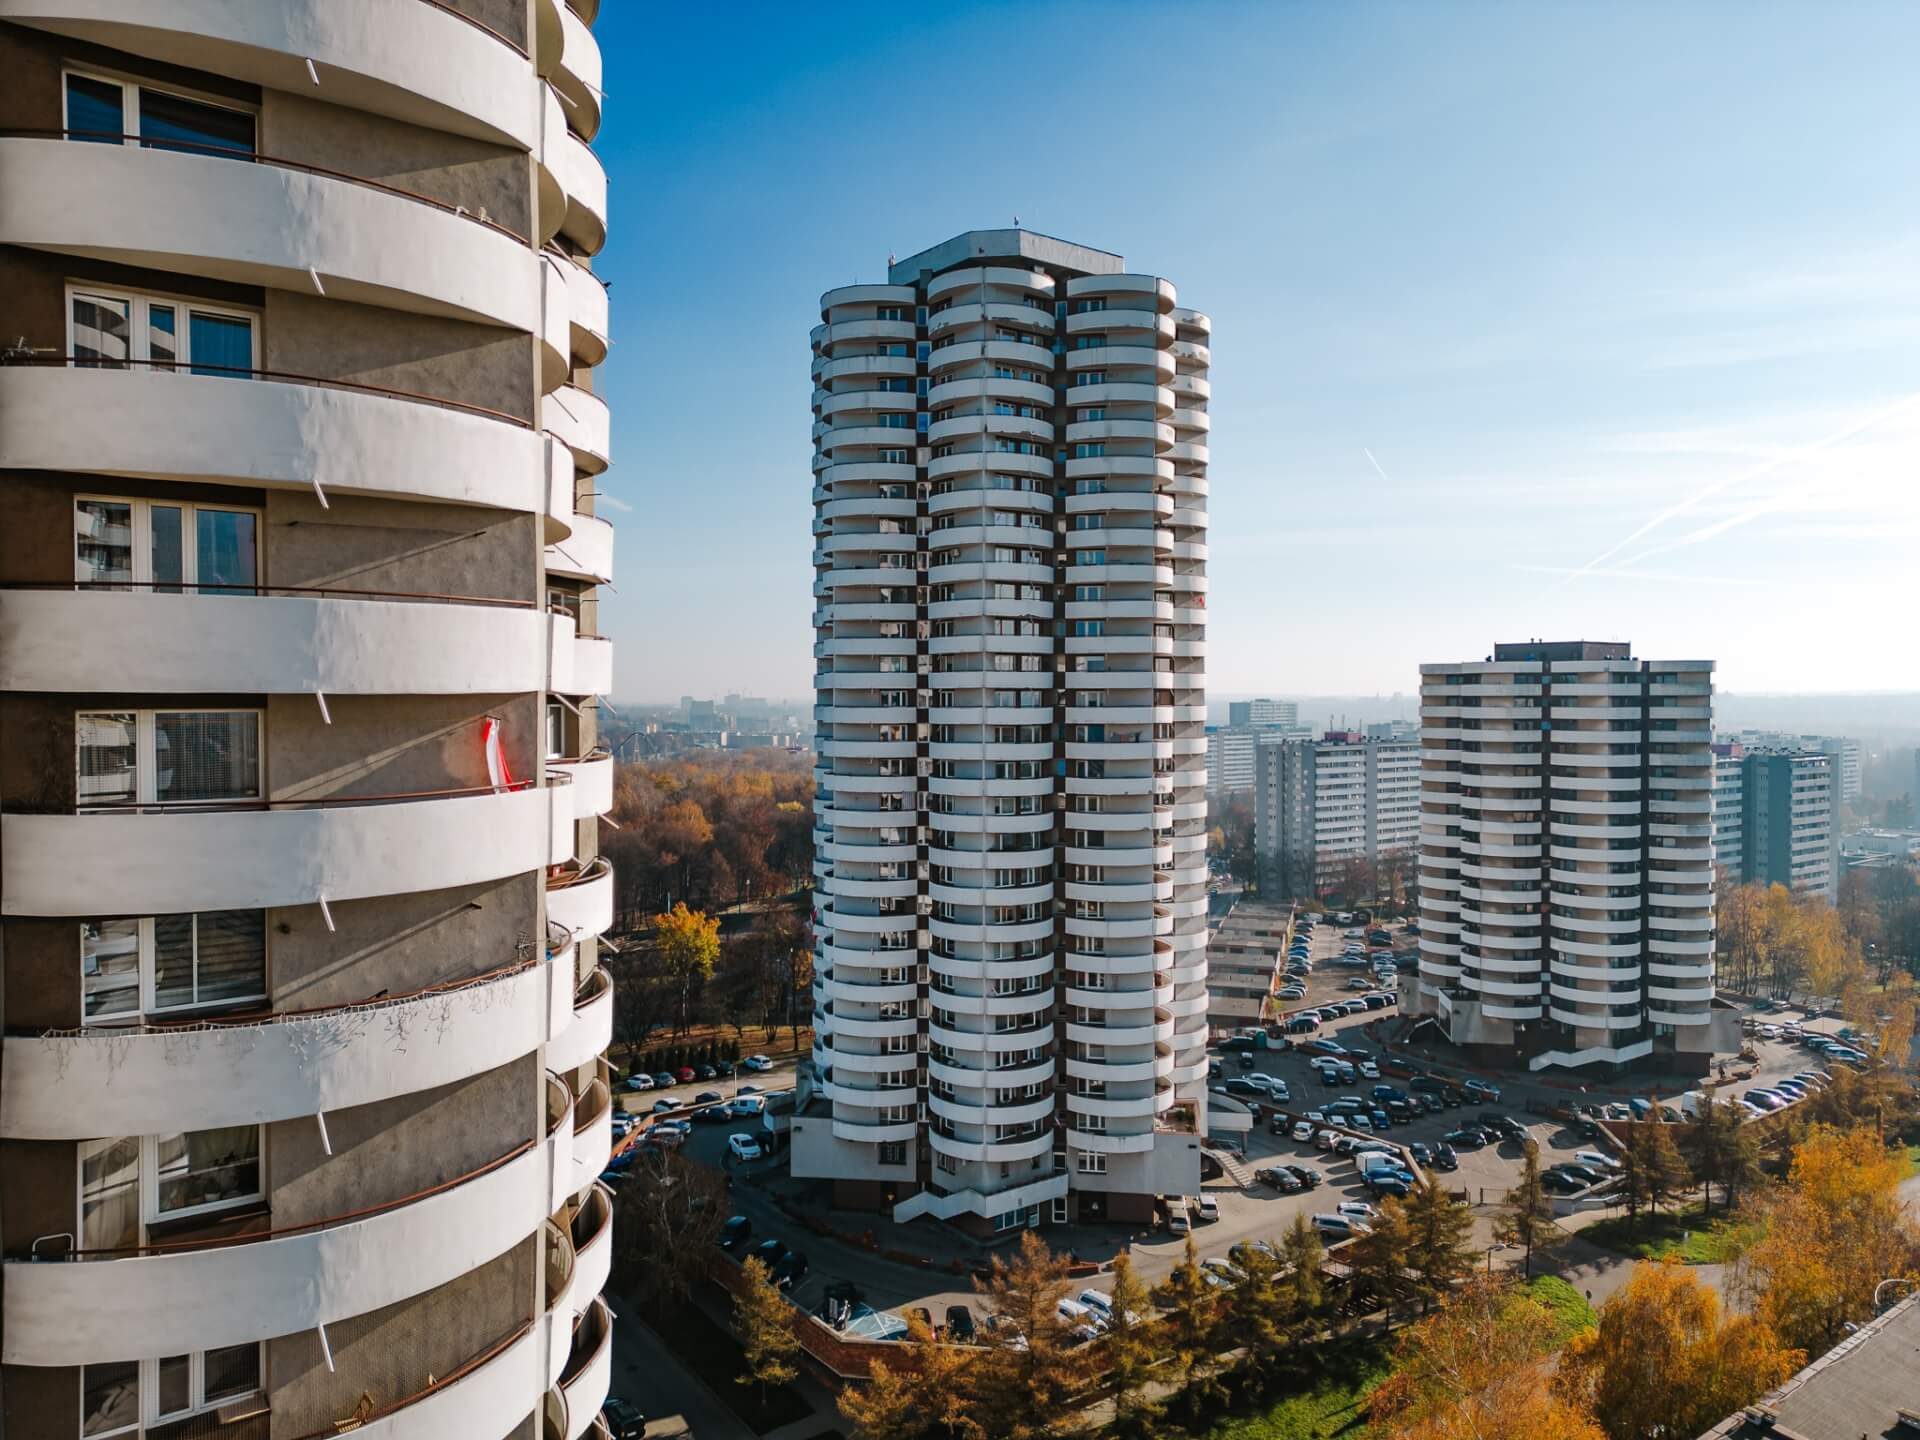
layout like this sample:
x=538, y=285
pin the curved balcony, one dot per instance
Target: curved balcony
x=581, y=664
x=591, y=1028
x=484, y=1396
x=587, y=326
x=269, y=641
x=592, y=1134
x=426, y=64
x=584, y=181
x=577, y=77
x=581, y=901
x=592, y=1237
x=586, y=554
x=257, y=221
x=591, y=777
x=589, y=1369
x=259, y=1068
x=580, y=420
x=994, y=1151
x=289, y=853
x=194, y=1295
x=268, y=428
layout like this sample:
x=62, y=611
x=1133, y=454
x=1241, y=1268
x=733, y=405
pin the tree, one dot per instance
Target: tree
x=1473, y=1371
x=1833, y=1232
x=1029, y=1371
x=1650, y=1167
x=1128, y=1351
x=1382, y=1257
x=688, y=943
x=1256, y=1318
x=1665, y=1361
x=1192, y=1322
x=1527, y=1220
x=1440, y=1240
x=670, y=1215
x=928, y=1398
x=1719, y=1150
x=764, y=1322
x=1302, y=1287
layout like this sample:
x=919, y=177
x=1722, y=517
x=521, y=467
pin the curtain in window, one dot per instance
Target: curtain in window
x=109, y=1397
x=232, y=955
x=206, y=755
x=220, y=345
x=192, y=125
x=95, y=110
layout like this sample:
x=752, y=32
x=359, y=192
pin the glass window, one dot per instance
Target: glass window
x=163, y=343
x=219, y=343
x=225, y=547
x=108, y=750
x=206, y=755
x=109, y=1194
x=173, y=1392
x=168, y=562
x=110, y=1398
x=102, y=331
x=231, y=1372
x=206, y=1168
x=109, y=968
x=96, y=111
x=103, y=541
x=192, y=124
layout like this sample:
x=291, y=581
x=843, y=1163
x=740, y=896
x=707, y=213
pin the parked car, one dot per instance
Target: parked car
x=1324, y=1046
x=1466, y=1138
x=1480, y=1090
x=1292, y=992
x=639, y=1082
x=1369, y=1070
x=960, y=1329
x=1341, y=1227
x=1561, y=1182
x=686, y=1075
x=757, y=1062
x=743, y=1147
x=1208, y=1207
x=791, y=1270
x=1421, y=1151
x=1444, y=1157
x=1282, y=1180
x=622, y=1419
x=708, y=1097
x=1301, y=1024
x=663, y=1080
x=706, y=1072
x=771, y=1251
x=1179, y=1222
x=1305, y=1175
x=735, y=1232
x=748, y=1106
x=1386, y=1183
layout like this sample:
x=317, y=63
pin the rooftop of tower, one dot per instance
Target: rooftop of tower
x=1004, y=245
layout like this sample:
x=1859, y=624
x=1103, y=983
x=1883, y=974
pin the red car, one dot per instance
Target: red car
x=685, y=1072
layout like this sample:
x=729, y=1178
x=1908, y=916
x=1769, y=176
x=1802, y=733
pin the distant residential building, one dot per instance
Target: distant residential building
x=1844, y=750
x=1729, y=808
x=1393, y=730
x=1263, y=712
x=1231, y=749
x=1775, y=816
x=1321, y=804
x=1566, y=858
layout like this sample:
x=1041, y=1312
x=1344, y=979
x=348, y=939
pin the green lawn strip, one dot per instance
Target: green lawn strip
x=1325, y=1397
x=1569, y=1306
x=1686, y=1233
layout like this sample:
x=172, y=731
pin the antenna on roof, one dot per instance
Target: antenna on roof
x=1016, y=222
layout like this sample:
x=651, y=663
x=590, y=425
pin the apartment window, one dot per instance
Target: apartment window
x=171, y=547
x=896, y=1044
x=890, y=312
x=117, y=1398
x=167, y=757
x=1090, y=1162
x=107, y=328
x=893, y=1152
x=115, y=112
x=130, y=1183
x=556, y=731
x=138, y=966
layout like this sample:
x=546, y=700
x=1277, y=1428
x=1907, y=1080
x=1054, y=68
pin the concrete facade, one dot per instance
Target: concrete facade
x=302, y=1091
x=1566, y=858
x=1319, y=805
x=1010, y=848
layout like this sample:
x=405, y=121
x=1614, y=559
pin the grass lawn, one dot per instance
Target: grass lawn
x=1328, y=1399
x=1568, y=1305
x=1685, y=1233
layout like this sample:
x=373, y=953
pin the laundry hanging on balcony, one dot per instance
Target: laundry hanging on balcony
x=498, y=771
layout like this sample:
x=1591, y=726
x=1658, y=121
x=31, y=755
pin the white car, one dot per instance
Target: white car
x=1369, y=1070
x=757, y=1062
x=1097, y=1301
x=1303, y=1131
x=1323, y=1062
x=1225, y=1269
x=744, y=1147
x=1261, y=1081
x=1209, y=1209
x=1325, y=1139
x=638, y=1081
x=1291, y=992
x=1355, y=1210
x=1596, y=1158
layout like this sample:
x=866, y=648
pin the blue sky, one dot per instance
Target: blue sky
x=1563, y=320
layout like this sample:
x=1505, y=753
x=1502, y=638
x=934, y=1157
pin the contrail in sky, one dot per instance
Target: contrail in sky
x=1374, y=463
x=1741, y=478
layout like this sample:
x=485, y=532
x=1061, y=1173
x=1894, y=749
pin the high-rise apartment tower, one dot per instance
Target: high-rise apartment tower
x=1566, y=857
x=302, y=1103
x=1010, y=456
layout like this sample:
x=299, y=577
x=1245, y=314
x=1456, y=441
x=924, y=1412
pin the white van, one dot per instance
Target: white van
x=1178, y=1221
